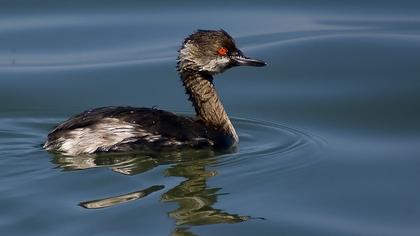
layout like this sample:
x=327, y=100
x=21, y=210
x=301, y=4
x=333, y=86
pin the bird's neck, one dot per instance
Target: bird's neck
x=202, y=93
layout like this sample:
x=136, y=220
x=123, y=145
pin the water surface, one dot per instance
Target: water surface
x=329, y=130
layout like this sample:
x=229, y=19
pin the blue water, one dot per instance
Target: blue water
x=329, y=130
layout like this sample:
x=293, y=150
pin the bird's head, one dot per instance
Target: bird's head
x=212, y=51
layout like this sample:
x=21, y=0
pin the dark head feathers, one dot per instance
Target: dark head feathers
x=212, y=37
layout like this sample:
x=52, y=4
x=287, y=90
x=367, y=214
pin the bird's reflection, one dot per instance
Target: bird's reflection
x=194, y=198
x=112, y=201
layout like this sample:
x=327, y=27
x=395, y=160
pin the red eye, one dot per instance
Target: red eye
x=222, y=51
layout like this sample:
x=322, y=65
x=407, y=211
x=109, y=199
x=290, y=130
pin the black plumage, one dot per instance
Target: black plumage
x=203, y=54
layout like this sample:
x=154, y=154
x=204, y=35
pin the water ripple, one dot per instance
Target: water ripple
x=260, y=141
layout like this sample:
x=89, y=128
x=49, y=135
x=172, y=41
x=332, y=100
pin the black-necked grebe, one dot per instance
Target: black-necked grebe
x=202, y=55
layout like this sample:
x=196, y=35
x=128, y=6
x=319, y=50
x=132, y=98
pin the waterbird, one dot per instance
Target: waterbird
x=202, y=55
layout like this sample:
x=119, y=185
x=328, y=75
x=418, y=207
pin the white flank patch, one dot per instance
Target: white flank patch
x=103, y=135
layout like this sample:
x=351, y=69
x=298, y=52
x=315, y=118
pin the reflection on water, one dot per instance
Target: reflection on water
x=112, y=201
x=194, y=198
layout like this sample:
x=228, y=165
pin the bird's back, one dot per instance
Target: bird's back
x=124, y=129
